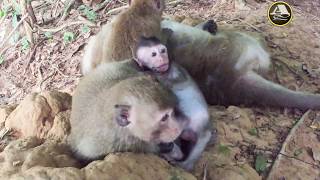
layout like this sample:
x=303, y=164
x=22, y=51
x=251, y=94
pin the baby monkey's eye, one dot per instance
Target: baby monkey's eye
x=154, y=54
x=163, y=50
x=165, y=118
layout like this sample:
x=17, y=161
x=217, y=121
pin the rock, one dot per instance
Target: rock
x=134, y=167
x=219, y=159
x=4, y=113
x=29, y=159
x=61, y=127
x=219, y=165
x=24, y=154
x=35, y=115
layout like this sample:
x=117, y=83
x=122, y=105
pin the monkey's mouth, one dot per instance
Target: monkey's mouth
x=163, y=68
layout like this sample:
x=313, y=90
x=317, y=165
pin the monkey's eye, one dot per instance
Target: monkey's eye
x=165, y=118
x=163, y=50
x=154, y=54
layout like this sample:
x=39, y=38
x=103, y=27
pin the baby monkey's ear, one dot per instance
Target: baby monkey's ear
x=122, y=114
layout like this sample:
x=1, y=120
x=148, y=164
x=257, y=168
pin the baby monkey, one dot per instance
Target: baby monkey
x=152, y=55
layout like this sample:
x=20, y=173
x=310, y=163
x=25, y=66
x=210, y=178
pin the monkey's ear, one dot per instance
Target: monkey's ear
x=122, y=113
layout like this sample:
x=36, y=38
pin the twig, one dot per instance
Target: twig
x=284, y=145
x=86, y=21
x=289, y=68
x=28, y=22
x=205, y=171
x=65, y=14
x=31, y=12
x=3, y=18
x=174, y=2
x=33, y=52
x=311, y=164
x=46, y=78
x=115, y=10
x=102, y=5
x=63, y=26
x=13, y=30
x=8, y=47
x=254, y=27
x=4, y=132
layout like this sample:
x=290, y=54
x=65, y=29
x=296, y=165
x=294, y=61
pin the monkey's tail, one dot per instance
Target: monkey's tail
x=253, y=88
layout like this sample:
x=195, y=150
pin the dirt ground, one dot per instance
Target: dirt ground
x=295, y=51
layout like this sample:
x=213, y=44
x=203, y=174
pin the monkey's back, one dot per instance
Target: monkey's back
x=126, y=30
x=93, y=130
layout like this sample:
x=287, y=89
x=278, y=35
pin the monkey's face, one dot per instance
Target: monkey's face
x=154, y=58
x=154, y=125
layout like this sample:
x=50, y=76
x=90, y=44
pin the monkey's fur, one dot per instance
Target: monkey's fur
x=98, y=124
x=152, y=55
x=225, y=67
x=117, y=40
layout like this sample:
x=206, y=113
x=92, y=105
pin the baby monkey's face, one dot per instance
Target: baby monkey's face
x=154, y=57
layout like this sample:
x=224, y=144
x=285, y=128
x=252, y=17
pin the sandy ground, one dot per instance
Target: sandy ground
x=295, y=50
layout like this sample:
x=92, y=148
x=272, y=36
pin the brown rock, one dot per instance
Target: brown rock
x=219, y=165
x=35, y=114
x=61, y=127
x=4, y=113
x=58, y=101
x=29, y=159
x=134, y=167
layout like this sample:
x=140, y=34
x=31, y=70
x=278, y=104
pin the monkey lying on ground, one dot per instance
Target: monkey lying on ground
x=117, y=39
x=152, y=55
x=224, y=65
x=115, y=109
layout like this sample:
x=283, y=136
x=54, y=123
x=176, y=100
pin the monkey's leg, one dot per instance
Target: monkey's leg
x=196, y=151
x=209, y=26
x=254, y=89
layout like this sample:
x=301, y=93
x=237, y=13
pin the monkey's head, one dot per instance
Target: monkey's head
x=148, y=111
x=153, y=6
x=152, y=54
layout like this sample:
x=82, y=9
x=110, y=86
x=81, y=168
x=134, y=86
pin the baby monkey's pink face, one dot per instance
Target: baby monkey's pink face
x=153, y=57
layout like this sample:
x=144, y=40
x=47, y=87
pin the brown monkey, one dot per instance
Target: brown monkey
x=152, y=55
x=115, y=109
x=224, y=66
x=117, y=40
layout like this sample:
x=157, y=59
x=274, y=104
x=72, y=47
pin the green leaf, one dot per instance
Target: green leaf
x=1, y=59
x=15, y=37
x=14, y=20
x=297, y=152
x=48, y=35
x=223, y=149
x=85, y=29
x=88, y=12
x=25, y=43
x=17, y=8
x=2, y=13
x=253, y=132
x=261, y=163
x=68, y=37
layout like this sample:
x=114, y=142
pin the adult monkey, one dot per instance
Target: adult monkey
x=115, y=108
x=224, y=66
x=118, y=39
